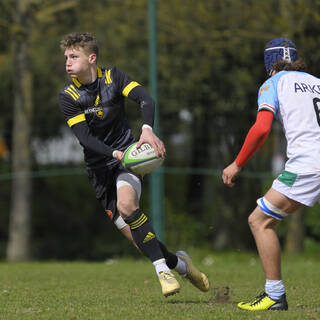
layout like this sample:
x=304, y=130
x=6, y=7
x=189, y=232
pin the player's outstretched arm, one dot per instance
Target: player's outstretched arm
x=255, y=138
x=147, y=105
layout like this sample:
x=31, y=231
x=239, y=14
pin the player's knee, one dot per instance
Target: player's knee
x=256, y=220
x=125, y=207
x=252, y=222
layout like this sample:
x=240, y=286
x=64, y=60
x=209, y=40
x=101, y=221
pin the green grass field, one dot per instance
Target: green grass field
x=129, y=289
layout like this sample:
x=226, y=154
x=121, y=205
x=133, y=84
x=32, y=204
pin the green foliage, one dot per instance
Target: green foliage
x=183, y=230
x=68, y=223
x=313, y=228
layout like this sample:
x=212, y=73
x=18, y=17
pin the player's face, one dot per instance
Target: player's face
x=77, y=62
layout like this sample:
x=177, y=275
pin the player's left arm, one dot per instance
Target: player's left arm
x=254, y=139
x=134, y=91
x=147, y=105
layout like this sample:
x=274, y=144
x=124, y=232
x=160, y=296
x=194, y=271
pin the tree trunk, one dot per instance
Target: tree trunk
x=296, y=227
x=20, y=216
x=295, y=234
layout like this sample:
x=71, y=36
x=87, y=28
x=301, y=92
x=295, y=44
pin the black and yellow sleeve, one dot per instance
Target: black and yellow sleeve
x=68, y=105
x=134, y=91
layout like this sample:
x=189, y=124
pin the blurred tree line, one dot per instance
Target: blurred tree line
x=210, y=65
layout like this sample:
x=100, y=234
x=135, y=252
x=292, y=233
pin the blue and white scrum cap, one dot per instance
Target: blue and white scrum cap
x=279, y=49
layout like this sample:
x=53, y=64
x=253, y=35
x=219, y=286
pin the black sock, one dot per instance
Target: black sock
x=144, y=235
x=171, y=258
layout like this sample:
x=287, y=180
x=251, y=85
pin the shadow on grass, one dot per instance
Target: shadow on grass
x=188, y=302
x=219, y=295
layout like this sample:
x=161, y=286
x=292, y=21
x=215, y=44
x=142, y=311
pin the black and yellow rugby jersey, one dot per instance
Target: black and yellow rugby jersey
x=96, y=114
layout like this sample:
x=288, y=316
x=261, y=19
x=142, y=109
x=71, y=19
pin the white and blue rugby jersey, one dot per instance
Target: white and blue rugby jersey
x=294, y=98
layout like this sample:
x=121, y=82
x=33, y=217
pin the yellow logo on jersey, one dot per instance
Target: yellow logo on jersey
x=97, y=101
x=99, y=113
x=98, y=109
x=149, y=237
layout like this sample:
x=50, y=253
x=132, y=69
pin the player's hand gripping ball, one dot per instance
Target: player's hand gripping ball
x=141, y=161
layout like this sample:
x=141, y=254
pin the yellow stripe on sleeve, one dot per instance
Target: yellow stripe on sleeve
x=129, y=87
x=74, y=90
x=79, y=118
x=72, y=94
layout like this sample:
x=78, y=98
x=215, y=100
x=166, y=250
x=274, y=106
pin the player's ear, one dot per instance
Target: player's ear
x=92, y=58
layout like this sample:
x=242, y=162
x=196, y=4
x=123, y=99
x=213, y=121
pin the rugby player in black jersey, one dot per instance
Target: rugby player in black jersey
x=93, y=106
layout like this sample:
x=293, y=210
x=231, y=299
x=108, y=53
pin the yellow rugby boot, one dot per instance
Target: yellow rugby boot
x=264, y=302
x=197, y=278
x=169, y=284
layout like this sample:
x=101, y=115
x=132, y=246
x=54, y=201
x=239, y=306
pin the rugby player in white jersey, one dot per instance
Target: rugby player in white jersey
x=292, y=97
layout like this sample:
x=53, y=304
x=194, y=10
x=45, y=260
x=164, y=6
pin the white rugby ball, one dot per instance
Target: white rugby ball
x=141, y=161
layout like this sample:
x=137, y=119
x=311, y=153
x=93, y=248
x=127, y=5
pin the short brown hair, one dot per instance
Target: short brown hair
x=297, y=65
x=84, y=40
